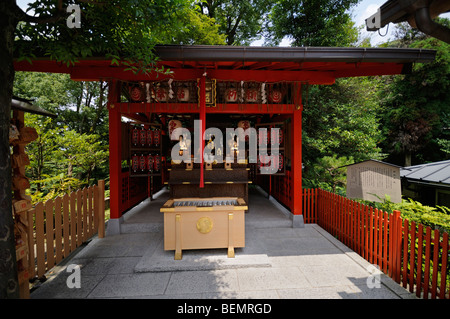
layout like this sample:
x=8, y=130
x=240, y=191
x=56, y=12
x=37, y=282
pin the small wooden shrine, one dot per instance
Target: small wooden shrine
x=221, y=87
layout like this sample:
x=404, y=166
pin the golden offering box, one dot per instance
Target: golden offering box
x=204, y=223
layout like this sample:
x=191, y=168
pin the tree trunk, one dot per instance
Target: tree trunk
x=9, y=285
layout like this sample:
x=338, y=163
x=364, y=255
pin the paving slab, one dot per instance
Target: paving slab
x=159, y=260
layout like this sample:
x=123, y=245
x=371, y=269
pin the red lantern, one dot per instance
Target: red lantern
x=251, y=95
x=149, y=137
x=275, y=96
x=280, y=136
x=280, y=162
x=231, y=95
x=136, y=93
x=157, y=163
x=142, y=137
x=263, y=138
x=150, y=162
x=244, y=125
x=173, y=124
x=135, y=163
x=161, y=94
x=183, y=94
x=135, y=136
x=156, y=137
x=142, y=163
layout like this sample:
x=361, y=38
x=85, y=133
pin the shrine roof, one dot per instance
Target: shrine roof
x=320, y=64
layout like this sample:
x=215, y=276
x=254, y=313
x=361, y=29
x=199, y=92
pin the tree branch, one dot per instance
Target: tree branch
x=22, y=16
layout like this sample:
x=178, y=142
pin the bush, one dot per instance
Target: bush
x=435, y=217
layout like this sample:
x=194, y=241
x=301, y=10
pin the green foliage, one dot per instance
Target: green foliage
x=72, y=150
x=341, y=120
x=415, y=109
x=313, y=23
x=328, y=173
x=197, y=28
x=240, y=21
x=62, y=160
x=124, y=30
x=435, y=217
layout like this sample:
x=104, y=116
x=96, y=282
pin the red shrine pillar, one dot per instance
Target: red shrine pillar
x=296, y=164
x=202, y=128
x=115, y=165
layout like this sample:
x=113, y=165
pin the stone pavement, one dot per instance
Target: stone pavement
x=278, y=262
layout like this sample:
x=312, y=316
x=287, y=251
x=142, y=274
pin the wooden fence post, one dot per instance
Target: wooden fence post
x=101, y=208
x=396, y=233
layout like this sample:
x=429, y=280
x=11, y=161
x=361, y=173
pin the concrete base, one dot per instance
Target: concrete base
x=297, y=221
x=113, y=226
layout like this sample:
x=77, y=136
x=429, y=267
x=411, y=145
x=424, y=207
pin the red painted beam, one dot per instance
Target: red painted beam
x=181, y=108
x=93, y=73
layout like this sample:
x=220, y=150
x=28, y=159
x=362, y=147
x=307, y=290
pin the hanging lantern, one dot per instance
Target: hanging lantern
x=251, y=95
x=156, y=137
x=280, y=162
x=263, y=138
x=261, y=161
x=173, y=124
x=135, y=163
x=143, y=137
x=183, y=94
x=136, y=93
x=149, y=137
x=280, y=136
x=135, y=136
x=244, y=124
x=157, y=163
x=142, y=163
x=150, y=162
x=275, y=96
x=231, y=95
x=161, y=94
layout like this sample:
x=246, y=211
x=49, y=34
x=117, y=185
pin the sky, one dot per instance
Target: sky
x=359, y=13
